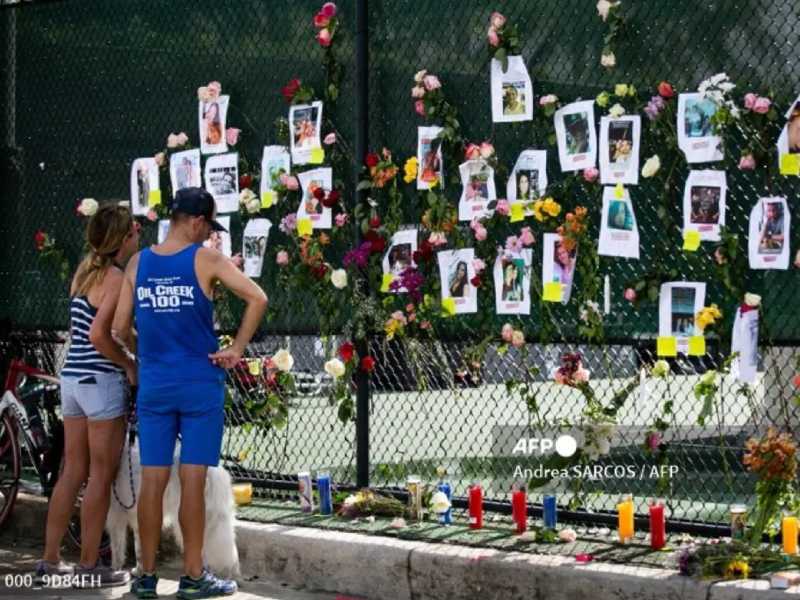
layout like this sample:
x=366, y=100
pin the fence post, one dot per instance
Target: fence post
x=362, y=145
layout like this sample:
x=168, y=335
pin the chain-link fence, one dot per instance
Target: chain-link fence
x=90, y=86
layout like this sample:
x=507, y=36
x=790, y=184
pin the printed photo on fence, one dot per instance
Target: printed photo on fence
x=221, y=240
x=704, y=203
x=477, y=189
x=679, y=303
x=429, y=158
x=144, y=179
x=744, y=343
x=274, y=161
x=305, y=122
x=558, y=264
x=695, y=131
x=254, y=244
x=619, y=149
x=184, y=170
x=310, y=206
x=212, y=116
x=528, y=181
x=163, y=230
x=400, y=255
x=455, y=274
x=222, y=181
x=768, y=242
x=789, y=139
x=619, y=233
x=576, y=135
x=512, y=91
x=512, y=283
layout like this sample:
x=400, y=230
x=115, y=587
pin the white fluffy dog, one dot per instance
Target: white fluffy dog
x=219, y=543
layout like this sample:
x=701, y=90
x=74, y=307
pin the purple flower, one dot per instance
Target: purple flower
x=411, y=281
x=288, y=223
x=513, y=244
x=654, y=107
x=358, y=256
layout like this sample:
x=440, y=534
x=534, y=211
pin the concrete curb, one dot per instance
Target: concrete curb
x=384, y=568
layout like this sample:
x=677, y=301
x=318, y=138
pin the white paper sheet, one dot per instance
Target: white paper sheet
x=512, y=283
x=430, y=164
x=558, y=264
x=455, y=274
x=619, y=232
x=144, y=179
x=184, y=170
x=620, y=140
x=577, y=138
x=512, y=91
x=274, y=161
x=305, y=123
x=528, y=181
x=769, y=234
x=477, y=189
x=222, y=181
x=212, y=118
x=744, y=340
x=704, y=203
x=789, y=139
x=400, y=254
x=163, y=230
x=310, y=207
x=679, y=302
x=254, y=244
x=695, y=134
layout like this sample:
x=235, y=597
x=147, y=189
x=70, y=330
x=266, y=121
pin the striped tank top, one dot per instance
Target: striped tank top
x=83, y=358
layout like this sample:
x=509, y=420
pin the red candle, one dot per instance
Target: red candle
x=658, y=526
x=519, y=509
x=475, y=506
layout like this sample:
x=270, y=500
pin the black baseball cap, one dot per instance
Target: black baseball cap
x=196, y=202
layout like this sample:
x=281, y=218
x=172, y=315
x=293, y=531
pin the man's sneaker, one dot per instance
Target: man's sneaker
x=51, y=569
x=144, y=586
x=205, y=586
x=99, y=576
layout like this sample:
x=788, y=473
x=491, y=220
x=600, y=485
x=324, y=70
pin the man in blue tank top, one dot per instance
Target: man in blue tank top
x=168, y=289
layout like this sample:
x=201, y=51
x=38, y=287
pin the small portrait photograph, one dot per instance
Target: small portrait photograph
x=771, y=229
x=430, y=163
x=527, y=185
x=275, y=167
x=697, y=117
x=222, y=181
x=400, y=258
x=143, y=182
x=184, y=172
x=163, y=230
x=682, y=311
x=458, y=278
x=254, y=246
x=212, y=124
x=514, y=97
x=620, y=216
x=305, y=134
x=576, y=127
x=563, y=264
x=620, y=143
x=513, y=269
x=705, y=205
x=477, y=188
x=310, y=202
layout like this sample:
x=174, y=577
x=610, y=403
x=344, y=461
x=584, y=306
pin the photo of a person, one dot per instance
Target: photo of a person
x=222, y=181
x=704, y=205
x=431, y=163
x=458, y=284
x=254, y=246
x=771, y=236
x=576, y=126
x=528, y=185
x=620, y=216
x=274, y=170
x=620, y=142
x=513, y=274
x=304, y=127
x=212, y=124
x=311, y=204
x=478, y=188
x=697, y=117
x=183, y=174
x=143, y=182
x=563, y=264
x=793, y=131
x=682, y=311
x=514, y=98
x=399, y=258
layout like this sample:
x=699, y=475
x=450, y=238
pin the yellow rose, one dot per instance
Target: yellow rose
x=551, y=207
x=537, y=210
x=621, y=90
x=410, y=168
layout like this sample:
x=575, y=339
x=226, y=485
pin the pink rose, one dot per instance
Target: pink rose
x=480, y=233
x=214, y=89
x=417, y=91
x=151, y=215
x=321, y=20
x=419, y=106
x=431, y=82
x=161, y=159
x=329, y=139
x=653, y=441
x=341, y=219
x=494, y=39
x=590, y=175
x=762, y=105
x=328, y=9
x=232, y=135
x=472, y=152
x=172, y=141
x=517, y=339
x=478, y=265
x=282, y=258
x=486, y=150
x=513, y=244
x=750, y=100
x=437, y=238
x=630, y=294
x=581, y=376
x=507, y=332
x=292, y=183
x=324, y=38
x=182, y=139
x=498, y=20
x=747, y=162
x=526, y=236
x=503, y=207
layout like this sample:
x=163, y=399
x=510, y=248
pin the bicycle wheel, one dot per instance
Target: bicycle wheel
x=10, y=466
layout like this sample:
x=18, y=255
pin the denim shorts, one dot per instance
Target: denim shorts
x=98, y=397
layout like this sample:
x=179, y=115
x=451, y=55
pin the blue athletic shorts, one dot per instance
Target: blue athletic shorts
x=193, y=410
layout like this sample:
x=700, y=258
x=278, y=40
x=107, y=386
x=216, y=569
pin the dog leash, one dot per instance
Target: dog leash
x=131, y=433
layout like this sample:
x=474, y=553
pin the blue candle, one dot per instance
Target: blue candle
x=325, y=499
x=549, y=511
x=445, y=518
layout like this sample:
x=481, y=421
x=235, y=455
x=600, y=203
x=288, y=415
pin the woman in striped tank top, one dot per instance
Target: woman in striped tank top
x=94, y=395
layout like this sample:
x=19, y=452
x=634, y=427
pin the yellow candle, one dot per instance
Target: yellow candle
x=242, y=493
x=789, y=534
x=625, y=514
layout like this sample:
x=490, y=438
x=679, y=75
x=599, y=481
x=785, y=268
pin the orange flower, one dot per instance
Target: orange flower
x=570, y=217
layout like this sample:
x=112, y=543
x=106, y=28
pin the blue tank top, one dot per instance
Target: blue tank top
x=174, y=321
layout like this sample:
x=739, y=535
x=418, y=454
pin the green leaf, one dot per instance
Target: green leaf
x=364, y=185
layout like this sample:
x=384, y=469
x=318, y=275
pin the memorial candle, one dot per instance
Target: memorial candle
x=519, y=509
x=789, y=535
x=549, y=506
x=658, y=526
x=475, y=506
x=625, y=517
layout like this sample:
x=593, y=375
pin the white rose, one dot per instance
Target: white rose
x=567, y=535
x=603, y=7
x=420, y=75
x=249, y=200
x=283, y=360
x=87, y=207
x=608, y=60
x=753, y=300
x=548, y=99
x=339, y=279
x=651, y=166
x=253, y=206
x=335, y=368
x=617, y=110
x=440, y=503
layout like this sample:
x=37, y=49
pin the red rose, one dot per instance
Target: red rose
x=290, y=89
x=665, y=90
x=476, y=281
x=331, y=199
x=374, y=221
x=245, y=181
x=372, y=160
x=319, y=193
x=367, y=364
x=377, y=243
x=319, y=271
x=346, y=351
x=425, y=252
x=39, y=239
